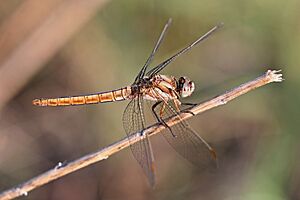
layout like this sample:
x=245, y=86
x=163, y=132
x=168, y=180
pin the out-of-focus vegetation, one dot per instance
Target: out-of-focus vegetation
x=60, y=48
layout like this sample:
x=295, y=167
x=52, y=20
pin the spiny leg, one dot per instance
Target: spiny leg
x=162, y=109
x=159, y=118
x=190, y=106
x=177, y=103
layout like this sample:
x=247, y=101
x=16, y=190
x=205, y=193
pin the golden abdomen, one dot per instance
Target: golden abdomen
x=115, y=95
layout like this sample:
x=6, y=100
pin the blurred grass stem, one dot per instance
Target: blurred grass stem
x=41, y=41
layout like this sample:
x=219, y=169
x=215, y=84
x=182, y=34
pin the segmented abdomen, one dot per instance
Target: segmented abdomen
x=114, y=95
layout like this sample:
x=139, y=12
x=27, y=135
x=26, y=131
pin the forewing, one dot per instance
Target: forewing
x=157, y=45
x=162, y=65
x=187, y=142
x=133, y=121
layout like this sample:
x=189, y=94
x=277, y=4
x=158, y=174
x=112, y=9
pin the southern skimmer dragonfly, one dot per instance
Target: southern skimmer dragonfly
x=164, y=92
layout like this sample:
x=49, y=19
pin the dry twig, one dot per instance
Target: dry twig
x=64, y=169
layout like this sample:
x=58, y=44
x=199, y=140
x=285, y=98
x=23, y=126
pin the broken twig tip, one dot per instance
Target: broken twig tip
x=275, y=76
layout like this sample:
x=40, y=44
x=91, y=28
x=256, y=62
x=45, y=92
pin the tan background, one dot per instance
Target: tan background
x=63, y=47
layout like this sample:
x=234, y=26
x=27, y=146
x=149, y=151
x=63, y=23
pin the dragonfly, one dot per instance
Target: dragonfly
x=164, y=94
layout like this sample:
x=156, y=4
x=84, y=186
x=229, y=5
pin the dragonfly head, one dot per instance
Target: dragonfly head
x=185, y=87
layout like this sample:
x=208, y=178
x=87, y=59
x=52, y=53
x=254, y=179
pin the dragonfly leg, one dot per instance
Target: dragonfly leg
x=162, y=109
x=159, y=118
x=188, y=111
x=177, y=103
x=189, y=104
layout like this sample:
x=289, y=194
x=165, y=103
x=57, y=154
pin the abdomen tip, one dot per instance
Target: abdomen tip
x=37, y=102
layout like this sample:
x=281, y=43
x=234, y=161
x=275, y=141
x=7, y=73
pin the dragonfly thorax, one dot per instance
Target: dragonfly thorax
x=163, y=88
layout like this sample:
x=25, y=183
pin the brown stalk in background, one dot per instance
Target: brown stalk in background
x=37, y=37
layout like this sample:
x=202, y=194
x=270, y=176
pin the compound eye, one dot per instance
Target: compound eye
x=182, y=80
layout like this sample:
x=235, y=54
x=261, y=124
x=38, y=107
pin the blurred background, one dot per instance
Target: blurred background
x=57, y=48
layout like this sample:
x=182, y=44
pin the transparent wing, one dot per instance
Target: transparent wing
x=133, y=121
x=187, y=142
x=162, y=65
x=157, y=45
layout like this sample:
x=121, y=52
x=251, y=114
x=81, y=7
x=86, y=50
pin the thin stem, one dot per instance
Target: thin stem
x=63, y=169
